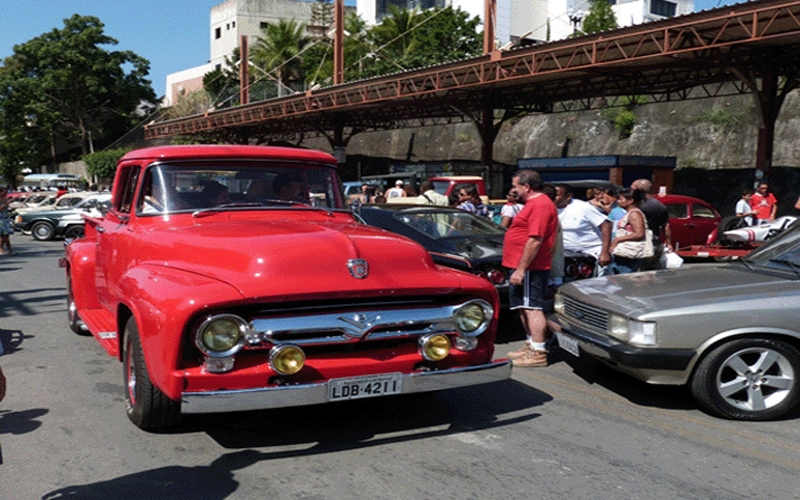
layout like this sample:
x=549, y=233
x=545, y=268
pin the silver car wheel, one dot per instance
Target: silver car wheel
x=755, y=379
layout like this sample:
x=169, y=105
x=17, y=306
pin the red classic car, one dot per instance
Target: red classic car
x=230, y=278
x=691, y=220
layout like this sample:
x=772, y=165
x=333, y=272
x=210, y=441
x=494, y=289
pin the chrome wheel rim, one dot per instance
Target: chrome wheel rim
x=42, y=231
x=756, y=379
x=131, y=372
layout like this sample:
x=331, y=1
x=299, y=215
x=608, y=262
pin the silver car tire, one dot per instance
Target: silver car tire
x=43, y=231
x=748, y=379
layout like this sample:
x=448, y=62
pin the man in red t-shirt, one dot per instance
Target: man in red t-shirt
x=764, y=204
x=527, y=253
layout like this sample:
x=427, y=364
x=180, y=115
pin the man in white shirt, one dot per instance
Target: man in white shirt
x=585, y=229
x=397, y=191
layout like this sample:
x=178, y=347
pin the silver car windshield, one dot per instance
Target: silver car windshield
x=183, y=188
x=783, y=252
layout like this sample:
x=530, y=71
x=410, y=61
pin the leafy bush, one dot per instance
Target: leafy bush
x=103, y=164
x=624, y=123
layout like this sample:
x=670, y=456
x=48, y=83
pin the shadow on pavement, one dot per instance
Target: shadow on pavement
x=208, y=482
x=372, y=422
x=595, y=372
x=325, y=429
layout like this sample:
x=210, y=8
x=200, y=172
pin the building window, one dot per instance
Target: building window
x=663, y=8
x=263, y=25
x=228, y=27
x=217, y=33
x=233, y=24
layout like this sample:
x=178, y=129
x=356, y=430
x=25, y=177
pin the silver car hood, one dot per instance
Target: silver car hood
x=689, y=286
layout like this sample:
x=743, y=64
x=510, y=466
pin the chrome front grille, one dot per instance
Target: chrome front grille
x=594, y=317
x=329, y=328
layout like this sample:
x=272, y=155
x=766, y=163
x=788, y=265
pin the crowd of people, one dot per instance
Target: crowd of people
x=626, y=231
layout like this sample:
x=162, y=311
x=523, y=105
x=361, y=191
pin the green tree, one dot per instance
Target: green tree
x=408, y=39
x=392, y=40
x=279, y=53
x=66, y=87
x=444, y=35
x=222, y=85
x=318, y=60
x=599, y=18
x=103, y=164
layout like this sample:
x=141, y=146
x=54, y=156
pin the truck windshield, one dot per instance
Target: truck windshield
x=180, y=188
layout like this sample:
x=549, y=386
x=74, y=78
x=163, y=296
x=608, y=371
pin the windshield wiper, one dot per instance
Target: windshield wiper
x=794, y=265
x=746, y=263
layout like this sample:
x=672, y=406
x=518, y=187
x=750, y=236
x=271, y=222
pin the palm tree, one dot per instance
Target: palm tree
x=393, y=36
x=279, y=52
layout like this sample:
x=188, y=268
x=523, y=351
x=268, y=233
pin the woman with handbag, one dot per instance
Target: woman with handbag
x=633, y=242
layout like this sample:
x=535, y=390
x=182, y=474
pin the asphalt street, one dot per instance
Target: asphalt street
x=572, y=430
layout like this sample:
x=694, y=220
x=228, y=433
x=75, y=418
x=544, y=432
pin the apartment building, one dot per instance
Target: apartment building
x=228, y=21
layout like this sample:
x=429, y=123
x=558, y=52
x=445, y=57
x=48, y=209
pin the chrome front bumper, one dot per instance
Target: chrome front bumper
x=312, y=394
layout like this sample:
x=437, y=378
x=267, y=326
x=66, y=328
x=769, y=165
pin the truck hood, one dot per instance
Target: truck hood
x=290, y=256
x=690, y=286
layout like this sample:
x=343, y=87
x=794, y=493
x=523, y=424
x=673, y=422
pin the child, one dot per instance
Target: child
x=743, y=209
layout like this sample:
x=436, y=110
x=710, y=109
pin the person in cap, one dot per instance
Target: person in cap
x=397, y=191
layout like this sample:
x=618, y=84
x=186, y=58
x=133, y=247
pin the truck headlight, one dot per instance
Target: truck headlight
x=641, y=333
x=473, y=318
x=221, y=335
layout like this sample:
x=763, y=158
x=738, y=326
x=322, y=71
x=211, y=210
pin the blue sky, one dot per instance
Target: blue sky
x=172, y=34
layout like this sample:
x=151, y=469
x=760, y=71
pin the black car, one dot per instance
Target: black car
x=453, y=237
x=45, y=225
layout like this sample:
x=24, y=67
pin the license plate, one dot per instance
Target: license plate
x=569, y=344
x=342, y=389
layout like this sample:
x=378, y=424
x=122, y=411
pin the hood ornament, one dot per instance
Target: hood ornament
x=359, y=268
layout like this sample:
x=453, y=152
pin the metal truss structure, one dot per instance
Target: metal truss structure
x=718, y=52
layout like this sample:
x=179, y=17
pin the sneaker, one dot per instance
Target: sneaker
x=521, y=352
x=533, y=359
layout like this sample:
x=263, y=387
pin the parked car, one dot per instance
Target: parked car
x=44, y=225
x=38, y=201
x=691, y=220
x=449, y=185
x=454, y=237
x=728, y=331
x=229, y=278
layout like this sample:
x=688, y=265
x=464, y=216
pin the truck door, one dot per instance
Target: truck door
x=114, y=237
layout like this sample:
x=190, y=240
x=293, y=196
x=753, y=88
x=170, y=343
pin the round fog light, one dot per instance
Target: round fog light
x=287, y=359
x=434, y=347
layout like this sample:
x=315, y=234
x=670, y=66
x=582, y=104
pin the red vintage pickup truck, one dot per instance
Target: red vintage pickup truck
x=231, y=278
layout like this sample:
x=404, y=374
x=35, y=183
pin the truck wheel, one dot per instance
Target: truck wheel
x=74, y=232
x=748, y=379
x=43, y=231
x=147, y=407
x=74, y=319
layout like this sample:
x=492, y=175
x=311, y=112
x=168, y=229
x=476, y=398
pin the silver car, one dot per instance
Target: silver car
x=729, y=331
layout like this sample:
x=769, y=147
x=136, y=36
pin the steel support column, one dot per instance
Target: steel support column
x=338, y=42
x=769, y=86
x=244, y=71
